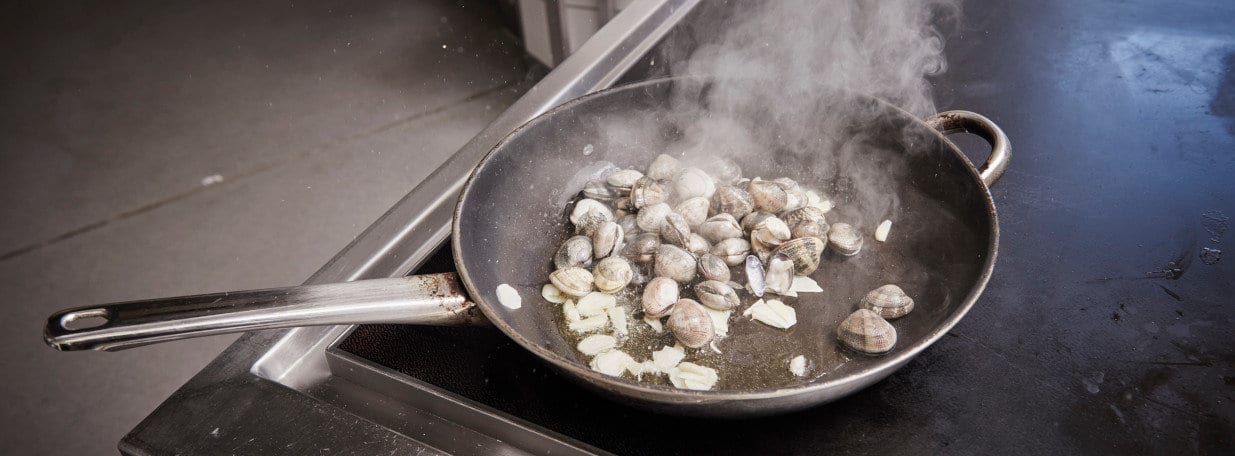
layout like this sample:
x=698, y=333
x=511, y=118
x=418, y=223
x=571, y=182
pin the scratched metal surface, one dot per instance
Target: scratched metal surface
x=1107, y=325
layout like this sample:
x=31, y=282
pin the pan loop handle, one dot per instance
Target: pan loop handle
x=948, y=122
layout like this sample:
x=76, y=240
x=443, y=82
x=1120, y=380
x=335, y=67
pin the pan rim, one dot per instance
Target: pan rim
x=670, y=395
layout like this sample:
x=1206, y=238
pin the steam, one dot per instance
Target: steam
x=772, y=63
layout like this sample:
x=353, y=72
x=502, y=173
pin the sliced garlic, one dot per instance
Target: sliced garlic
x=772, y=313
x=552, y=294
x=612, y=362
x=668, y=357
x=650, y=367
x=720, y=320
x=590, y=324
x=693, y=376
x=617, y=317
x=797, y=366
x=596, y=344
x=509, y=297
x=655, y=324
x=595, y=303
x=803, y=284
x=881, y=233
x=570, y=311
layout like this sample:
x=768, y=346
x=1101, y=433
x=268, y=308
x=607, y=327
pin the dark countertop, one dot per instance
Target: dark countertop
x=1106, y=327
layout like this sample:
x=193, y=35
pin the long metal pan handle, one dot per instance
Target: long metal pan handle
x=971, y=122
x=435, y=299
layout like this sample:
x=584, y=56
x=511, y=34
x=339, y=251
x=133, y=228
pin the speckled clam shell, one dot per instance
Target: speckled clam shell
x=664, y=167
x=711, y=267
x=690, y=324
x=694, y=210
x=697, y=245
x=659, y=296
x=807, y=228
x=733, y=201
x=643, y=248
x=720, y=227
x=612, y=274
x=574, y=252
x=624, y=178
x=804, y=252
x=767, y=195
x=589, y=214
x=716, y=294
x=866, y=332
x=572, y=281
x=652, y=217
x=845, y=239
x=647, y=192
x=675, y=230
x=733, y=250
x=808, y=213
x=692, y=182
x=675, y=263
x=889, y=301
x=607, y=240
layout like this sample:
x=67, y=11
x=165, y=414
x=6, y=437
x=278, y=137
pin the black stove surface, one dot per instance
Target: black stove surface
x=1107, y=326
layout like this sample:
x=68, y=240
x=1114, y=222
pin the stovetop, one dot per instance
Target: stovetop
x=1105, y=328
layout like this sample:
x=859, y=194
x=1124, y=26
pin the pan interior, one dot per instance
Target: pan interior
x=886, y=165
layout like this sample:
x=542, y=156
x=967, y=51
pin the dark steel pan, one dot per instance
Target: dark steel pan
x=511, y=217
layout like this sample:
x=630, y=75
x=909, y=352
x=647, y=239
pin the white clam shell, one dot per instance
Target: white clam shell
x=575, y=282
x=659, y=296
x=652, y=217
x=692, y=182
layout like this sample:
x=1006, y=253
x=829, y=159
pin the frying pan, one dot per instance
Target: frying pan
x=512, y=216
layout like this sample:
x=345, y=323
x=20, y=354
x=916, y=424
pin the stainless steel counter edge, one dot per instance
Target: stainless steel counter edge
x=286, y=370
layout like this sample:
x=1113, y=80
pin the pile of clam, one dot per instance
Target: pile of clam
x=671, y=244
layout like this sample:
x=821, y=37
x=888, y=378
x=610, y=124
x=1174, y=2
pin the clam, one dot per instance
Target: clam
x=845, y=238
x=652, y=217
x=720, y=227
x=623, y=179
x=664, y=167
x=612, y=274
x=779, y=276
x=675, y=231
x=867, y=332
x=752, y=219
x=787, y=183
x=692, y=182
x=599, y=191
x=623, y=204
x=733, y=250
x=806, y=214
x=607, y=240
x=767, y=195
x=572, y=281
x=768, y=235
x=697, y=245
x=724, y=170
x=795, y=199
x=659, y=296
x=717, y=295
x=733, y=201
x=589, y=214
x=575, y=252
x=755, y=276
x=647, y=192
x=889, y=301
x=690, y=324
x=643, y=249
x=808, y=228
x=711, y=267
x=675, y=263
x=629, y=224
x=804, y=252
x=694, y=210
